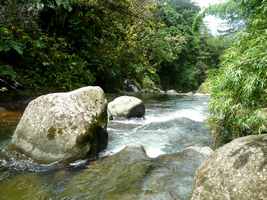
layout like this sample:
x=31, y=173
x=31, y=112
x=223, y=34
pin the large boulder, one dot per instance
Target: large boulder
x=126, y=107
x=63, y=126
x=236, y=171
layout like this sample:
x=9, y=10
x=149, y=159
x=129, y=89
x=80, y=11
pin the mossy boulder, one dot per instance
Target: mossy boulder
x=236, y=171
x=63, y=126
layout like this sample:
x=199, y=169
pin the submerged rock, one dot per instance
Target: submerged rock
x=116, y=177
x=63, y=126
x=23, y=186
x=173, y=175
x=127, y=107
x=131, y=175
x=236, y=171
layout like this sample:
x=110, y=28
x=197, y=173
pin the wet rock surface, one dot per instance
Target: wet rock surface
x=131, y=175
x=236, y=171
x=171, y=124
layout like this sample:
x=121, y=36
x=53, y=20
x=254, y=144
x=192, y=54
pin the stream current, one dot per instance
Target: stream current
x=171, y=124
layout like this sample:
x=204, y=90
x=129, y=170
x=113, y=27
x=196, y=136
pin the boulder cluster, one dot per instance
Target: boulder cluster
x=68, y=126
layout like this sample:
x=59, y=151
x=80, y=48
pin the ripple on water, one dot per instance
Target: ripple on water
x=167, y=127
x=170, y=125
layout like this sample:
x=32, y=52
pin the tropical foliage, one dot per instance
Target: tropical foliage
x=239, y=88
x=68, y=44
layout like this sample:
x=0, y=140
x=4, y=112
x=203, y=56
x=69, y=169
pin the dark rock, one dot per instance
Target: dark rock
x=129, y=86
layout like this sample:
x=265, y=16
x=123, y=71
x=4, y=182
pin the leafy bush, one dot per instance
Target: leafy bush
x=239, y=91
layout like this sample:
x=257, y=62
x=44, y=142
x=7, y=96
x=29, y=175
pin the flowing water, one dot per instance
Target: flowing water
x=171, y=124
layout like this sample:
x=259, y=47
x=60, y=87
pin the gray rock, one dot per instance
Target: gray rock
x=202, y=150
x=189, y=93
x=236, y=171
x=126, y=107
x=116, y=177
x=131, y=175
x=172, y=176
x=63, y=126
x=129, y=86
x=172, y=92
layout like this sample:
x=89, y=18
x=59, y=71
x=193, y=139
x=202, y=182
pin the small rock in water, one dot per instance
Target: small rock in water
x=172, y=92
x=130, y=86
x=126, y=107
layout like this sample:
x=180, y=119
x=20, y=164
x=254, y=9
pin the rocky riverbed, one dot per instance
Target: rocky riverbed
x=146, y=158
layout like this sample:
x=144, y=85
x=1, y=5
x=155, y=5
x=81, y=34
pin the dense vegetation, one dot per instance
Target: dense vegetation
x=239, y=87
x=62, y=45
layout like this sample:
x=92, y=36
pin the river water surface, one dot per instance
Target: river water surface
x=171, y=124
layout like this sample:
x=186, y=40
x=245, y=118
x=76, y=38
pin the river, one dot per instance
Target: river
x=171, y=124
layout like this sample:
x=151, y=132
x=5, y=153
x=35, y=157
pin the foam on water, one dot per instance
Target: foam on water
x=195, y=114
x=172, y=124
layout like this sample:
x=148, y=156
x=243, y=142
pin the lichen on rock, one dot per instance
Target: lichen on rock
x=236, y=171
x=63, y=126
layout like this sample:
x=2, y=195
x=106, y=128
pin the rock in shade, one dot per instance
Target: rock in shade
x=236, y=171
x=126, y=107
x=63, y=126
x=129, y=86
